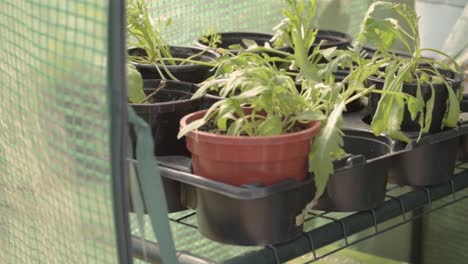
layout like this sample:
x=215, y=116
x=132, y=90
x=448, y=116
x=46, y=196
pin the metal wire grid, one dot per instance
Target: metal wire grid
x=427, y=207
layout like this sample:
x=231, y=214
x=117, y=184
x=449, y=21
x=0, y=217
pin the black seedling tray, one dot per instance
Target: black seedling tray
x=247, y=215
x=360, y=178
x=429, y=161
x=260, y=215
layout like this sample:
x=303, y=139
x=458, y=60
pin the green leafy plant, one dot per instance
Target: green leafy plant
x=143, y=34
x=417, y=69
x=277, y=106
x=296, y=30
x=251, y=79
x=212, y=39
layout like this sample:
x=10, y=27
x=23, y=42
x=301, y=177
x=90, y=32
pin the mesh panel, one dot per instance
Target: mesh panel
x=445, y=233
x=55, y=180
x=191, y=19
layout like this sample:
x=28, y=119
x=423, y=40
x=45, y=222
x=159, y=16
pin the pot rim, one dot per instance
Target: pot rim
x=167, y=103
x=458, y=78
x=311, y=131
x=212, y=55
x=336, y=35
x=240, y=33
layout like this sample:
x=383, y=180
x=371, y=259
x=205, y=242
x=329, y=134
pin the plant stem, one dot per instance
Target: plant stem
x=272, y=51
x=162, y=84
x=189, y=61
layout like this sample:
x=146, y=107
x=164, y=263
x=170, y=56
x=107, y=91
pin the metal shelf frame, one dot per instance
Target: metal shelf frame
x=407, y=207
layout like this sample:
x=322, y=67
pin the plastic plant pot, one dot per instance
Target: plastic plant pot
x=193, y=73
x=360, y=179
x=239, y=160
x=164, y=113
x=430, y=161
x=440, y=102
x=235, y=38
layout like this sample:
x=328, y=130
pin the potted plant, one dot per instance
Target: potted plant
x=260, y=136
x=247, y=79
x=415, y=97
x=162, y=103
x=298, y=19
x=422, y=94
x=154, y=58
x=227, y=138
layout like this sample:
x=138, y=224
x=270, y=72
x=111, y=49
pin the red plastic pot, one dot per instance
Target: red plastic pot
x=242, y=160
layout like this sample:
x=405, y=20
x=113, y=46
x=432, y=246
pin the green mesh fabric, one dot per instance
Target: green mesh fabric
x=191, y=19
x=445, y=234
x=55, y=171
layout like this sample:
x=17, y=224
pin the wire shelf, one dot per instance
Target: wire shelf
x=402, y=202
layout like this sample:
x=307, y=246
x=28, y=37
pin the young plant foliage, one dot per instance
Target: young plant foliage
x=424, y=71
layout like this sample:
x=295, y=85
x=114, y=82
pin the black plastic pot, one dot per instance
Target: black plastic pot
x=360, y=179
x=234, y=38
x=246, y=215
x=440, y=103
x=163, y=115
x=429, y=161
x=332, y=39
x=462, y=154
x=193, y=73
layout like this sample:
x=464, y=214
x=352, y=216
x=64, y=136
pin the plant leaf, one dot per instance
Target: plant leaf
x=415, y=105
x=250, y=44
x=326, y=145
x=134, y=85
x=190, y=127
x=428, y=114
x=453, y=113
x=309, y=116
x=271, y=126
x=235, y=47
